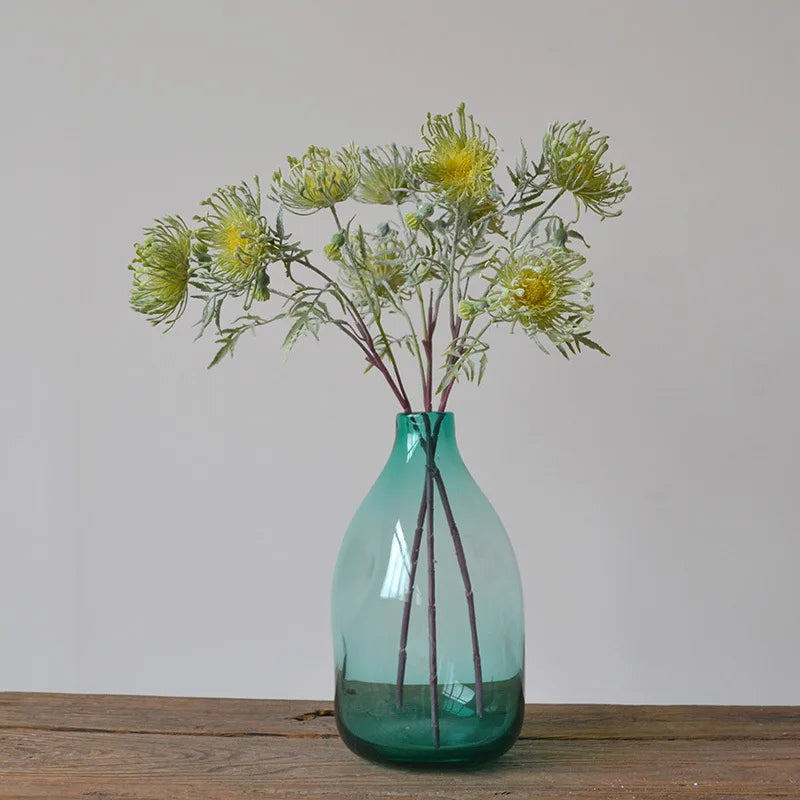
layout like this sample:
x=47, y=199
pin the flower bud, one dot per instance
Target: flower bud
x=261, y=291
x=332, y=252
x=469, y=309
x=465, y=310
x=413, y=221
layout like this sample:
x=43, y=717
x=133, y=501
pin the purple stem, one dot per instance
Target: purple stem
x=462, y=563
x=412, y=574
x=434, y=678
x=426, y=508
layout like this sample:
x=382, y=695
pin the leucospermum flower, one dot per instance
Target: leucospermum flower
x=459, y=158
x=318, y=180
x=386, y=176
x=236, y=239
x=161, y=270
x=574, y=154
x=541, y=292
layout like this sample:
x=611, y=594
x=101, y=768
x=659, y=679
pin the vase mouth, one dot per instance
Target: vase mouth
x=419, y=424
x=433, y=414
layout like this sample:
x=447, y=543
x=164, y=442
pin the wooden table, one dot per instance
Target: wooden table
x=98, y=747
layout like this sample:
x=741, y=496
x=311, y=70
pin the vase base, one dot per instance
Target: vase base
x=372, y=726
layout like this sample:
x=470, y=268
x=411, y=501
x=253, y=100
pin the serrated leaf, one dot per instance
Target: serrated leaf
x=207, y=316
x=592, y=345
x=575, y=235
x=227, y=348
x=296, y=329
x=484, y=361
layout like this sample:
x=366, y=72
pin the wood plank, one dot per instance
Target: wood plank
x=303, y=718
x=152, y=748
x=67, y=765
x=178, y=715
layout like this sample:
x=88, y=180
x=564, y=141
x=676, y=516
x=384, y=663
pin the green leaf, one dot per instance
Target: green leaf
x=592, y=345
x=226, y=349
x=279, y=229
x=208, y=315
x=482, y=369
x=295, y=331
x=575, y=235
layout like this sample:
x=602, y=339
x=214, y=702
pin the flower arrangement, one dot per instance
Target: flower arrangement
x=455, y=245
x=455, y=250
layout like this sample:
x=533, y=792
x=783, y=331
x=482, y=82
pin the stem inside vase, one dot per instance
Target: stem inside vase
x=426, y=513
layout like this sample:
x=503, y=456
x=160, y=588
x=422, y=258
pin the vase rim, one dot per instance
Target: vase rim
x=427, y=413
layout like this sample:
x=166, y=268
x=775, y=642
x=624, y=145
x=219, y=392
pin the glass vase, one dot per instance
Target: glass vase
x=427, y=611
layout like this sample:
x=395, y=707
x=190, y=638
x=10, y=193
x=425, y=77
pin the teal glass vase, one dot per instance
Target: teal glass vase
x=427, y=612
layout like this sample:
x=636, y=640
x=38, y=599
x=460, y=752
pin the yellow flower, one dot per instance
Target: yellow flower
x=459, y=161
x=318, y=180
x=573, y=153
x=161, y=270
x=385, y=175
x=540, y=291
x=236, y=239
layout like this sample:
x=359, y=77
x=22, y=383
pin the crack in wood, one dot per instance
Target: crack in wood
x=323, y=712
x=146, y=732
x=320, y=712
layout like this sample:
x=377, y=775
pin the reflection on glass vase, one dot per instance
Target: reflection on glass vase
x=427, y=611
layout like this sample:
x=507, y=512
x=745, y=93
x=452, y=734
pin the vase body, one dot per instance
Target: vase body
x=404, y=694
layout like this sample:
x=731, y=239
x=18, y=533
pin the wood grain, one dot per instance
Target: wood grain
x=137, y=748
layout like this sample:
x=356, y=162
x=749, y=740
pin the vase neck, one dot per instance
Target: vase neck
x=414, y=431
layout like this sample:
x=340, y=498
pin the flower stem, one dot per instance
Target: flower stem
x=415, y=342
x=376, y=316
x=462, y=565
x=428, y=346
x=451, y=287
x=373, y=357
x=464, y=352
x=428, y=442
x=426, y=510
x=539, y=217
x=412, y=575
x=432, y=659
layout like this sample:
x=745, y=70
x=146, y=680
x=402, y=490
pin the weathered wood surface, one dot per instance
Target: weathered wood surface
x=135, y=748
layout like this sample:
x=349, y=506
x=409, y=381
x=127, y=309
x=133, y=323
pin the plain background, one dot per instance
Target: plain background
x=168, y=529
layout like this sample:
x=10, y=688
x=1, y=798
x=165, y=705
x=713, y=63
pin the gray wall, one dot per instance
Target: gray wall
x=166, y=529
